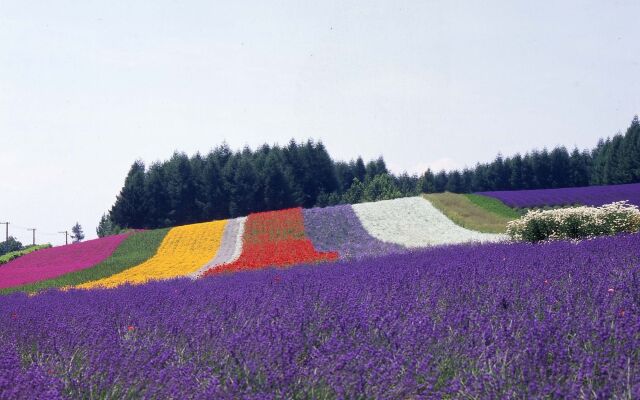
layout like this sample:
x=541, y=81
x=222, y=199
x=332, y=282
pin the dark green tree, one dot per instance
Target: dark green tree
x=9, y=245
x=277, y=193
x=106, y=226
x=130, y=208
x=77, y=233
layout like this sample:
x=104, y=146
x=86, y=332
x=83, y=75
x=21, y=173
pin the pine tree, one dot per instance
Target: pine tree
x=244, y=190
x=360, y=171
x=579, y=168
x=181, y=187
x=516, y=180
x=427, y=182
x=454, y=182
x=106, y=226
x=157, y=198
x=216, y=204
x=130, y=208
x=77, y=235
x=560, y=167
x=277, y=193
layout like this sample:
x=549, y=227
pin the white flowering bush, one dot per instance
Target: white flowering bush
x=576, y=222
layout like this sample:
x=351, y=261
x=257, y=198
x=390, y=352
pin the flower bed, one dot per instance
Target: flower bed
x=339, y=229
x=496, y=321
x=576, y=222
x=133, y=250
x=5, y=258
x=183, y=251
x=414, y=222
x=56, y=261
x=588, y=196
x=230, y=247
x=274, y=238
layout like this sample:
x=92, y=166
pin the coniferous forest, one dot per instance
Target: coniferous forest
x=225, y=184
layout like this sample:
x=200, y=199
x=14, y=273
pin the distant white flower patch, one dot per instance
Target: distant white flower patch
x=230, y=247
x=415, y=222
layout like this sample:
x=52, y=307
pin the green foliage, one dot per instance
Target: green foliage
x=576, y=222
x=494, y=206
x=106, y=226
x=381, y=187
x=355, y=194
x=225, y=184
x=613, y=161
x=134, y=250
x=10, y=245
x=130, y=208
x=78, y=235
x=19, y=253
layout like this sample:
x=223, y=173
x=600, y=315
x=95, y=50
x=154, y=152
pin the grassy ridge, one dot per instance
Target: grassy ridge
x=134, y=250
x=494, y=205
x=19, y=253
x=472, y=213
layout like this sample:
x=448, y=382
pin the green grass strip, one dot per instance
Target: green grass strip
x=463, y=212
x=134, y=250
x=19, y=253
x=495, y=206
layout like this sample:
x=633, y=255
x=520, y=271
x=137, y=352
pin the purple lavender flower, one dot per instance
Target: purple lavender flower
x=588, y=196
x=338, y=229
x=516, y=320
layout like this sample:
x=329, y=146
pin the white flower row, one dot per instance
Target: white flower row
x=415, y=222
x=576, y=222
x=230, y=246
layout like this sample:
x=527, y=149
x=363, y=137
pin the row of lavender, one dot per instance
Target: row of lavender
x=557, y=320
x=588, y=196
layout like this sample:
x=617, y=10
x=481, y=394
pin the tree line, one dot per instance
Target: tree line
x=225, y=184
x=613, y=161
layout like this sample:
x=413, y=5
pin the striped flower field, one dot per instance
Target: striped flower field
x=261, y=240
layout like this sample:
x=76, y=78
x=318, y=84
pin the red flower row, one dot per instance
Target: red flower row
x=274, y=238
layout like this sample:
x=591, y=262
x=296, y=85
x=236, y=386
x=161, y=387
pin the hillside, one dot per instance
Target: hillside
x=275, y=238
x=539, y=318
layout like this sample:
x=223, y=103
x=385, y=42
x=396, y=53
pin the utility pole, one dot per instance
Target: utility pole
x=66, y=237
x=7, y=224
x=34, y=235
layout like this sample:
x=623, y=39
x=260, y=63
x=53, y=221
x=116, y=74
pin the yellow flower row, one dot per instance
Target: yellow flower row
x=184, y=250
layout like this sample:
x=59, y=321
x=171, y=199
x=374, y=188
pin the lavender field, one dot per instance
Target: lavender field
x=588, y=196
x=556, y=320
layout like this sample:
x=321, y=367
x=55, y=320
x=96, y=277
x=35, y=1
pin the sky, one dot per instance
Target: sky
x=86, y=88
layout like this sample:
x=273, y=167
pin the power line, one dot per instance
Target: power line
x=7, y=224
x=33, y=230
x=66, y=237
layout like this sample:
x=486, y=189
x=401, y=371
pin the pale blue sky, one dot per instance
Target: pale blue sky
x=87, y=87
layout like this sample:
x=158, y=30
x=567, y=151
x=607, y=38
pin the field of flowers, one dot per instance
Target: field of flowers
x=338, y=229
x=133, y=250
x=184, y=250
x=53, y=262
x=5, y=258
x=520, y=320
x=230, y=246
x=588, y=196
x=274, y=238
x=414, y=222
